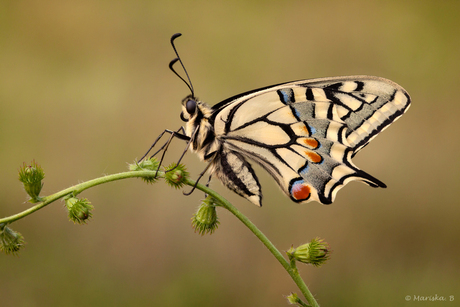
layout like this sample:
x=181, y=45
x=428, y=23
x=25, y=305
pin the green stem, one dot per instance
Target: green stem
x=77, y=189
x=292, y=270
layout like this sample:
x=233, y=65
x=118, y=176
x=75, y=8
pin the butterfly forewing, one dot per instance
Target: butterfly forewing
x=304, y=134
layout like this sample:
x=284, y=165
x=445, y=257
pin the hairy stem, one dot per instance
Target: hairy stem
x=77, y=189
x=292, y=270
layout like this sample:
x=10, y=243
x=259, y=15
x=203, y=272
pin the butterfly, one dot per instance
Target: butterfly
x=303, y=133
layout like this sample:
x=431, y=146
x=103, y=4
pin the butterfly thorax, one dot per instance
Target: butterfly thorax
x=199, y=127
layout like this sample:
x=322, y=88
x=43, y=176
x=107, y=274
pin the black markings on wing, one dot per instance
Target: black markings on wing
x=238, y=175
x=286, y=95
x=367, y=106
x=308, y=148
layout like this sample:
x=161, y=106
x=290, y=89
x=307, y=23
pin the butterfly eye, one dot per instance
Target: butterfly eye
x=190, y=106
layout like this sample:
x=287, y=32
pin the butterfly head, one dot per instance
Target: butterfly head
x=194, y=111
x=189, y=108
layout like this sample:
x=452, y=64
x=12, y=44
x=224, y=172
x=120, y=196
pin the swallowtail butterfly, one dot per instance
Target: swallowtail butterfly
x=304, y=133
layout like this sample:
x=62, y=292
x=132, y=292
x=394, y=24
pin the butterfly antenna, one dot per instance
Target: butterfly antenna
x=171, y=64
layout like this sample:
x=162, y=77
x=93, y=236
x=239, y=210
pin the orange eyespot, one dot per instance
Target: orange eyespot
x=300, y=191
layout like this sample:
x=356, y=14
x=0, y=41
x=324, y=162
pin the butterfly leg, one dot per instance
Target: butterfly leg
x=165, y=146
x=190, y=139
x=180, y=135
x=199, y=177
x=209, y=181
x=207, y=185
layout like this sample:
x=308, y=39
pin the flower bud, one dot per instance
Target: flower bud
x=10, y=241
x=31, y=177
x=79, y=209
x=316, y=252
x=205, y=219
x=147, y=164
x=294, y=299
x=175, y=176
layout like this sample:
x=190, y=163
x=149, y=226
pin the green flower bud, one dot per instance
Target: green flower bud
x=31, y=177
x=79, y=209
x=175, y=176
x=316, y=252
x=10, y=241
x=205, y=219
x=293, y=299
x=148, y=164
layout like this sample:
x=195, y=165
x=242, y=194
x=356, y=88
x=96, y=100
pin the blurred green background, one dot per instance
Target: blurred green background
x=85, y=88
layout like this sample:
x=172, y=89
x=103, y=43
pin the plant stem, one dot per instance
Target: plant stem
x=77, y=189
x=292, y=270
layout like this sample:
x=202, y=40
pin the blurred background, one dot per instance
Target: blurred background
x=85, y=89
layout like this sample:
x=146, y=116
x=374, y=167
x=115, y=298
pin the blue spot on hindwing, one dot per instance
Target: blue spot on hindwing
x=297, y=113
x=304, y=170
x=298, y=181
x=286, y=95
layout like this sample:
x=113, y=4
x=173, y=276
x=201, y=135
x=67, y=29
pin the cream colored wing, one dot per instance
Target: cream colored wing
x=305, y=133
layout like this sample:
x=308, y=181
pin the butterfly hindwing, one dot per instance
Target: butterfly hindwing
x=237, y=174
x=305, y=133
